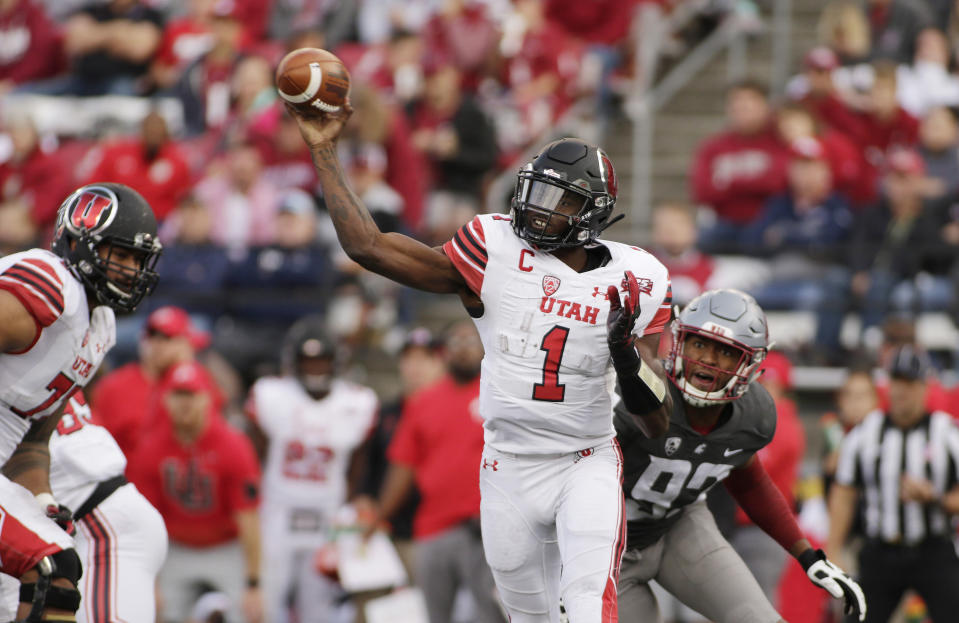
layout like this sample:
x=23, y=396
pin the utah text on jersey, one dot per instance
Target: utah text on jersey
x=546, y=377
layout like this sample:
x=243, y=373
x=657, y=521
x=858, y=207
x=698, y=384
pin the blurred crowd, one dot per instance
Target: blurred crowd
x=843, y=188
x=176, y=98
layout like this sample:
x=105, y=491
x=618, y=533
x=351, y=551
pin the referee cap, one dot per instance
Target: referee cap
x=908, y=363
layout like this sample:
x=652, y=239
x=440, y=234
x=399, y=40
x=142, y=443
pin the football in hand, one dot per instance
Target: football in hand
x=313, y=80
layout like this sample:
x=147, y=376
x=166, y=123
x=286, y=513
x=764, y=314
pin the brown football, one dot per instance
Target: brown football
x=313, y=80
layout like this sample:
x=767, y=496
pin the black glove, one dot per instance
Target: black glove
x=63, y=516
x=620, y=322
x=826, y=575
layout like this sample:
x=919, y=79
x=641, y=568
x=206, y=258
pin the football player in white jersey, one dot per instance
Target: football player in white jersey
x=316, y=426
x=120, y=538
x=56, y=325
x=540, y=286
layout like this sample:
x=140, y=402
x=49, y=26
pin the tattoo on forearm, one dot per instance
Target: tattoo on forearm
x=351, y=219
x=27, y=457
x=41, y=430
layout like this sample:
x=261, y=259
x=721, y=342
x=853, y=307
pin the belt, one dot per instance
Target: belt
x=102, y=491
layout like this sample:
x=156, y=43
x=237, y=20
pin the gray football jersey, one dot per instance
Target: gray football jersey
x=663, y=475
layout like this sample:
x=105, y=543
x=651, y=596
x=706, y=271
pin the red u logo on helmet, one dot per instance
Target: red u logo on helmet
x=93, y=210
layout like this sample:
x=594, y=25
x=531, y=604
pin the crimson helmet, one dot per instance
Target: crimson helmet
x=732, y=318
x=571, y=170
x=115, y=216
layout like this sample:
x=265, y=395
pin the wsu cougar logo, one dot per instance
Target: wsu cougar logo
x=550, y=285
x=92, y=210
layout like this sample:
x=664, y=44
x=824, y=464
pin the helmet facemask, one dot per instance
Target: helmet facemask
x=541, y=202
x=564, y=196
x=680, y=365
x=90, y=232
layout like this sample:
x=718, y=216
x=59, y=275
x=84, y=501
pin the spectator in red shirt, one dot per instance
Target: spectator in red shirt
x=31, y=47
x=203, y=477
x=465, y=33
x=735, y=171
x=458, y=141
x=204, y=86
x=878, y=128
x=185, y=39
x=376, y=120
x=151, y=163
x=781, y=458
x=539, y=70
x=438, y=445
x=602, y=27
x=124, y=400
x=33, y=182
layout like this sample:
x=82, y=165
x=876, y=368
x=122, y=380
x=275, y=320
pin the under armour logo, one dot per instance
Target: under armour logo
x=492, y=466
x=597, y=293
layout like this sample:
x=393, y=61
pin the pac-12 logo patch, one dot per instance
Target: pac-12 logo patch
x=550, y=285
x=672, y=444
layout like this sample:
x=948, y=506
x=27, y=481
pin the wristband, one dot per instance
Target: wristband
x=810, y=557
x=46, y=499
x=641, y=389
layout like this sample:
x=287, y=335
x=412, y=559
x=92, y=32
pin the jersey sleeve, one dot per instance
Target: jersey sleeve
x=467, y=250
x=257, y=406
x=663, y=313
x=38, y=287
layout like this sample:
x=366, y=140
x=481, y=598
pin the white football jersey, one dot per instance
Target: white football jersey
x=82, y=455
x=310, y=441
x=547, y=379
x=71, y=342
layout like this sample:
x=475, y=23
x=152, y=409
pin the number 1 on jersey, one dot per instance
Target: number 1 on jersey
x=554, y=342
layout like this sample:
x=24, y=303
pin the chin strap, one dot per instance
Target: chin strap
x=611, y=221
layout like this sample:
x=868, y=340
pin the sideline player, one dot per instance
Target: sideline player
x=56, y=325
x=720, y=420
x=316, y=426
x=536, y=285
x=120, y=537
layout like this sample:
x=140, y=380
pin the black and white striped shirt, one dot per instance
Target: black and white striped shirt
x=876, y=453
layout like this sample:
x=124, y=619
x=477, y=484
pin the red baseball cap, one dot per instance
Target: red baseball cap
x=821, y=58
x=175, y=322
x=906, y=161
x=808, y=148
x=778, y=369
x=187, y=376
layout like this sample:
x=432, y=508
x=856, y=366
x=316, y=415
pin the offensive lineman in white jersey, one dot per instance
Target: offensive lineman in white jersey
x=537, y=285
x=56, y=325
x=315, y=425
x=120, y=538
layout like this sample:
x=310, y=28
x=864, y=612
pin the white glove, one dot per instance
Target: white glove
x=834, y=580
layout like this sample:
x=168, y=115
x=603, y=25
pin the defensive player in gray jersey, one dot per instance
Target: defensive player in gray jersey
x=719, y=420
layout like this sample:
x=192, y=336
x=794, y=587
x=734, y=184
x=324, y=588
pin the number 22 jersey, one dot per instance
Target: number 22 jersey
x=547, y=382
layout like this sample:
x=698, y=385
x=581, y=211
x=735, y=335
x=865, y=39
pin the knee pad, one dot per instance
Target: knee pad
x=43, y=594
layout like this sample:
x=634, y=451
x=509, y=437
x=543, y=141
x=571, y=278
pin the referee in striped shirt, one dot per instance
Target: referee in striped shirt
x=903, y=466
